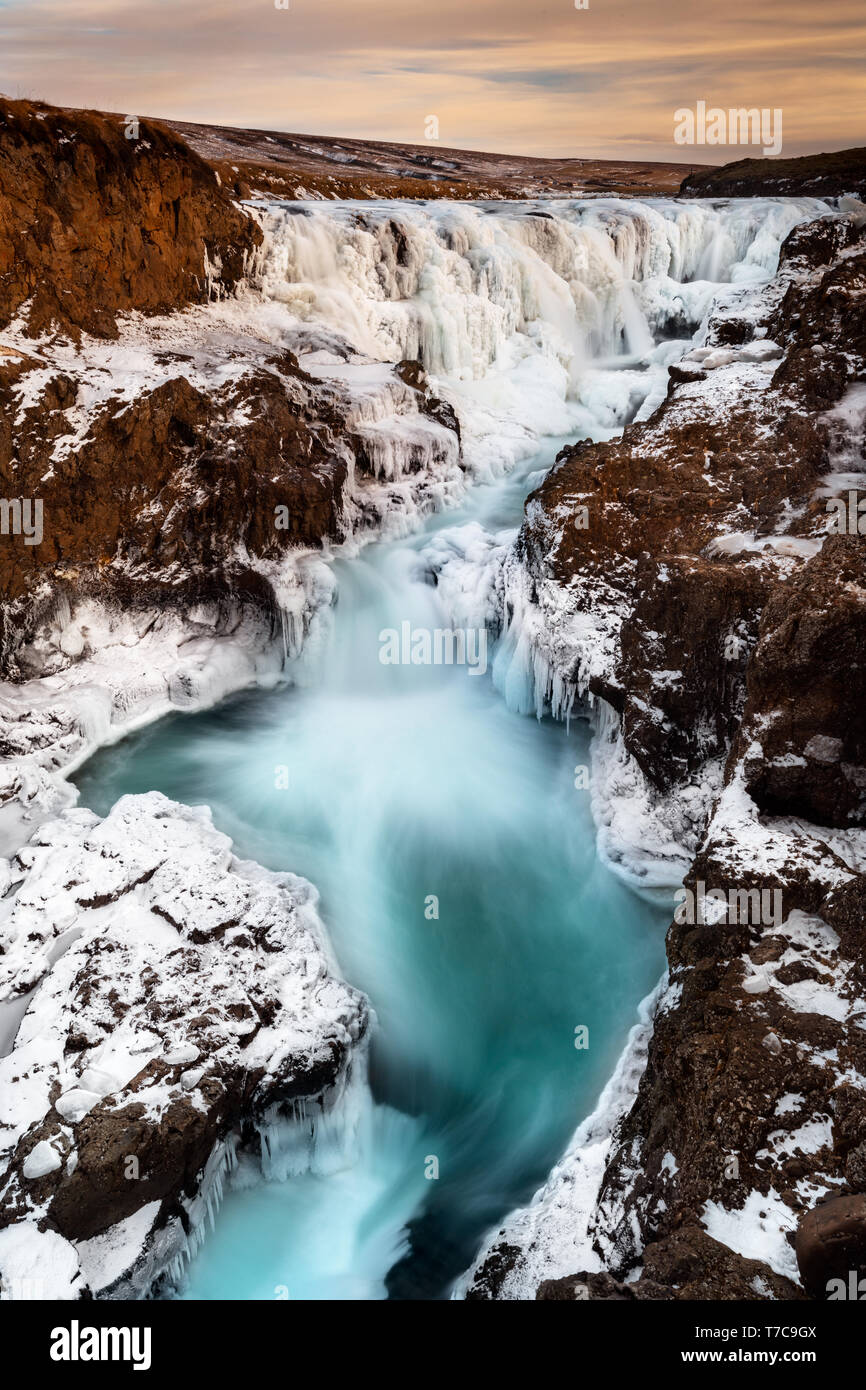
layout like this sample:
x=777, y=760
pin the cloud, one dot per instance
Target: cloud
x=500, y=74
x=551, y=79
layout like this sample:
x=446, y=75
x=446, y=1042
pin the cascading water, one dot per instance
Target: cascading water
x=459, y=882
x=449, y=836
x=455, y=285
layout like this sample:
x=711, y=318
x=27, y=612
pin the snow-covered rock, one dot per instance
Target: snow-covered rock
x=193, y=999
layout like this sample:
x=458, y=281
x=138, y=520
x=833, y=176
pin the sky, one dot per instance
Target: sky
x=536, y=77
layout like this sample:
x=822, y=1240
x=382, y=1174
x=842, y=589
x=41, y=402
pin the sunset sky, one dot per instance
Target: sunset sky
x=539, y=77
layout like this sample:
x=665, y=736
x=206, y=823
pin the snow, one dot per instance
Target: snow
x=106, y=1257
x=736, y=542
x=811, y=1137
x=73, y=1105
x=789, y=1102
x=808, y=939
x=43, y=1158
x=37, y=1264
x=753, y=848
x=756, y=1231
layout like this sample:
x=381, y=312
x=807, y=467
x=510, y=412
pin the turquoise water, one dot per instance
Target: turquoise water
x=407, y=784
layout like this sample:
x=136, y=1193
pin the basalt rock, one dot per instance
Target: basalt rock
x=168, y=488
x=803, y=738
x=736, y=1042
x=682, y=529
x=689, y=1264
x=174, y=496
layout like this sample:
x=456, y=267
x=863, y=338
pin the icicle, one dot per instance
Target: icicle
x=318, y=1135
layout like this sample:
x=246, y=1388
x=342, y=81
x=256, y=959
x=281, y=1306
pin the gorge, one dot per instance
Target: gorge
x=195, y=713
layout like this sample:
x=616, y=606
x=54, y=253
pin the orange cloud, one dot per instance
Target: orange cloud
x=545, y=78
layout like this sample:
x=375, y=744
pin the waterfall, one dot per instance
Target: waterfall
x=406, y=784
x=460, y=287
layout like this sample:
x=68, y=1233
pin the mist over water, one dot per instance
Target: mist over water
x=406, y=783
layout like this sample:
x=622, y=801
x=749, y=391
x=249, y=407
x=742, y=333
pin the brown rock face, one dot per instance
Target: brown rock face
x=831, y=1245
x=734, y=1045
x=153, y=502
x=682, y=625
x=95, y=223
x=172, y=1154
x=660, y=502
x=164, y=493
x=737, y=1039
x=691, y=1265
x=804, y=729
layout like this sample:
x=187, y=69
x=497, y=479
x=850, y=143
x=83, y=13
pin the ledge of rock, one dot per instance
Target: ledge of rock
x=815, y=175
x=173, y=997
x=170, y=485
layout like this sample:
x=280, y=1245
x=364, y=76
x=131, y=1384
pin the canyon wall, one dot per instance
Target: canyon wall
x=730, y=1162
x=96, y=223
